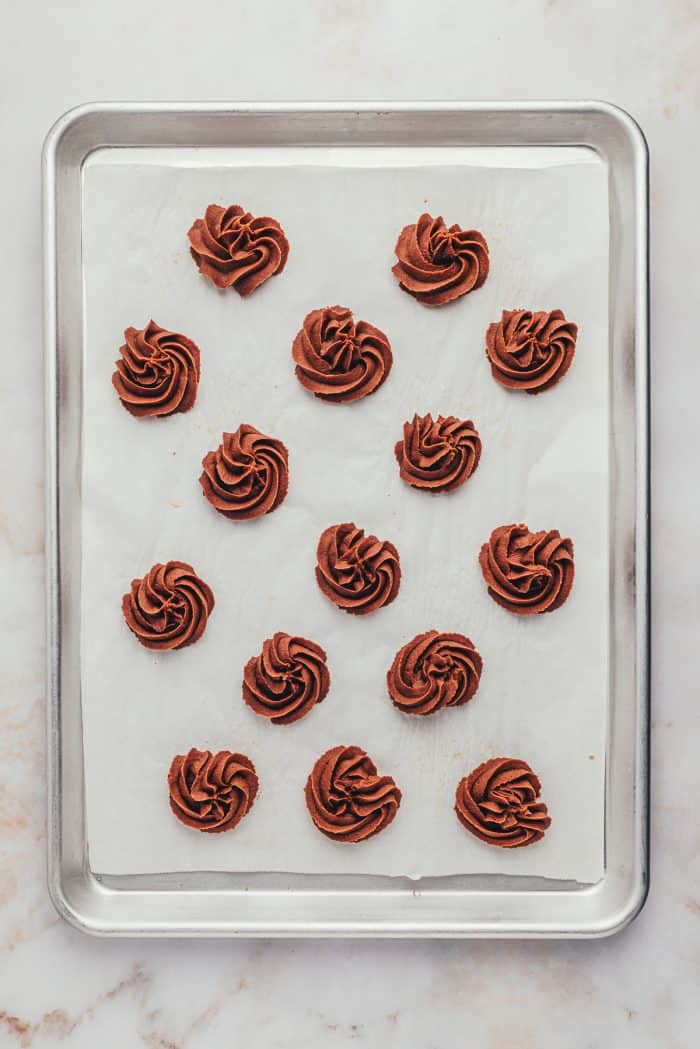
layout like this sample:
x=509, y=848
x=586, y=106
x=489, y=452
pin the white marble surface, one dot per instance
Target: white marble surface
x=637, y=989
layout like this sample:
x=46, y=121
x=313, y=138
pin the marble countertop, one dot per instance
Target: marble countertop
x=636, y=989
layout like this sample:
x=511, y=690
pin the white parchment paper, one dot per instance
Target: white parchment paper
x=543, y=694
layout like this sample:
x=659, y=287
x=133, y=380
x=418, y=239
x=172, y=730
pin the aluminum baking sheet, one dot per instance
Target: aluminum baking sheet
x=120, y=701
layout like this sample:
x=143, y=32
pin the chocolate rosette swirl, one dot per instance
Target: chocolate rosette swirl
x=346, y=798
x=359, y=573
x=287, y=679
x=438, y=455
x=247, y=476
x=497, y=803
x=233, y=249
x=158, y=372
x=169, y=607
x=340, y=359
x=530, y=351
x=212, y=792
x=527, y=572
x=434, y=671
x=437, y=264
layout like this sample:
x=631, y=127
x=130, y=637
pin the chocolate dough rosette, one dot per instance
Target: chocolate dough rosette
x=287, y=679
x=359, y=573
x=438, y=455
x=527, y=572
x=233, y=249
x=338, y=358
x=347, y=799
x=530, y=351
x=158, y=372
x=433, y=671
x=437, y=264
x=212, y=792
x=247, y=476
x=169, y=607
x=497, y=803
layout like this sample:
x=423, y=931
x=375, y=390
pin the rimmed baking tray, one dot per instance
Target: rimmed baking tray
x=220, y=903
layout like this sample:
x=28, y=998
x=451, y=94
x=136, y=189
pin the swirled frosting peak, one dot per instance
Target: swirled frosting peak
x=233, y=249
x=433, y=671
x=212, y=792
x=347, y=799
x=438, y=455
x=359, y=573
x=248, y=474
x=338, y=358
x=497, y=803
x=169, y=607
x=527, y=572
x=530, y=351
x=287, y=679
x=437, y=264
x=158, y=372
